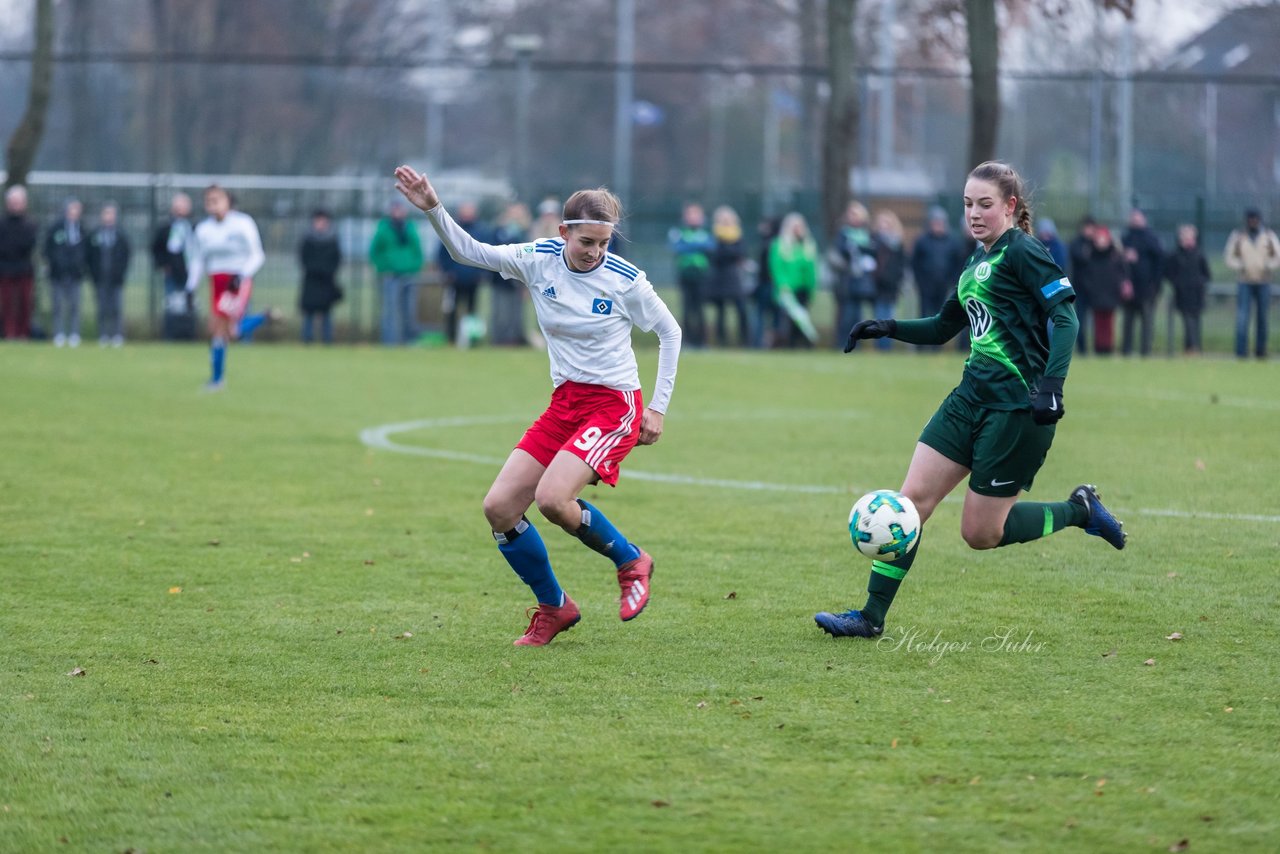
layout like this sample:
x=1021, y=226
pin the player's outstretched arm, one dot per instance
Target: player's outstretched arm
x=415, y=187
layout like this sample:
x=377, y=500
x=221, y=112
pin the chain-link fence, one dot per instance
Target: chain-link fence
x=1186, y=149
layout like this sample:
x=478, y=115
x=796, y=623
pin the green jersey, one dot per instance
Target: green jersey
x=1007, y=294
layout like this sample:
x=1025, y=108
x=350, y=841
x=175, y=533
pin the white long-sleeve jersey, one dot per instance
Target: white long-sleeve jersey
x=230, y=246
x=585, y=317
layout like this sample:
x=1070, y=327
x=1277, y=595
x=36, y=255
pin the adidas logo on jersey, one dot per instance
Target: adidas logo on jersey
x=550, y=293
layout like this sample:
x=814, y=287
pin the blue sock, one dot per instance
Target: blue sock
x=599, y=534
x=523, y=548
x=249, y=323
x=218, y=357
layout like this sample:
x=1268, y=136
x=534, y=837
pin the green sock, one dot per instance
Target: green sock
x=882, y=586
x=1031, y=520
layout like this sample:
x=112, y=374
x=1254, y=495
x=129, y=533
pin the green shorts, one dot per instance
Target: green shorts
x=1002, y=448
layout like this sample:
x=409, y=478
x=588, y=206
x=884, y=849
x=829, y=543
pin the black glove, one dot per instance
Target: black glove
x=234, y=284
x=1046, y=401
x=870, y=329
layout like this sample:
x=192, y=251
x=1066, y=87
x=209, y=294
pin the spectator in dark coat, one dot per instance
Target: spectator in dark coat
x=853, y=260
x=1107, y=275
x=725, y=284
x=1078, y=253
x=506, y=311
x=170, y=242
x=1145, y=255
x=937, y=260
x=1187, y=270
x=17, y=272
x=891, y=267
x=64, y=250
x=764, y=306
x=108, y=258
x=462, y=281
x=320, y=257
x=1047, y=233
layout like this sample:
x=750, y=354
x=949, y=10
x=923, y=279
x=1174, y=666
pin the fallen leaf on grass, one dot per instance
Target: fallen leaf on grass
x=368, y=563
x=1199, y=465
x=215, y=542
x=701, y=705
x=1206, y=818
x=661, y=804
x=1111, y=653
x=1171, y=575
x=1180, y=845
x=893, y=745
x=1228, y=709
x=1102, y=781
x=1150, y=662
x=1176, y=636
x=732, y=594
x=77, y=671
x=368, y=512
x=403, y=636
x=150, y=661
x=175, y=589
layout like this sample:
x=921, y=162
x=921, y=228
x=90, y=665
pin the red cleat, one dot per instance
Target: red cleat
x=633, y=578
x=549, y=621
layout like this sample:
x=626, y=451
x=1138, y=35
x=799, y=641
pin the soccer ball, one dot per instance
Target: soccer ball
x=884, y=525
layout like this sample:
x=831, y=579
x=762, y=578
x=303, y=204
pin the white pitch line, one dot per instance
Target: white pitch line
x=380, y=437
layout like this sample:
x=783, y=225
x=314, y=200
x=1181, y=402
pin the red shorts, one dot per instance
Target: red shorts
x=218, y=283
x=597, y=425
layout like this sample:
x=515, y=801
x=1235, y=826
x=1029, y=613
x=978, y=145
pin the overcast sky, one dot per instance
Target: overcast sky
x=1167, y=23
x=1163, y=23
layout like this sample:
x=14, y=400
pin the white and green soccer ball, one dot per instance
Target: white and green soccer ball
x=884, y=525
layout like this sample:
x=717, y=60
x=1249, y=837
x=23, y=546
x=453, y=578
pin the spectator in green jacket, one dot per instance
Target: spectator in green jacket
x=692, y=245
x=793, y=264
x=396, y=254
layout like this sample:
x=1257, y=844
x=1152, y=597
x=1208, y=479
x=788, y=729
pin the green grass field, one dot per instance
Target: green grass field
x=291, y=640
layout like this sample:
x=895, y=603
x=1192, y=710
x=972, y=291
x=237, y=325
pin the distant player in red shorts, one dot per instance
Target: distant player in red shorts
x=587, y=302
x=228, y=247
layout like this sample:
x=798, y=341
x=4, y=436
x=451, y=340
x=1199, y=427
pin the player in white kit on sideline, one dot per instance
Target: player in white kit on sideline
x=227, y=246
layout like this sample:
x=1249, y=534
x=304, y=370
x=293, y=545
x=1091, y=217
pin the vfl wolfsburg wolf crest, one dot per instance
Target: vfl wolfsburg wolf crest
x=979, y=318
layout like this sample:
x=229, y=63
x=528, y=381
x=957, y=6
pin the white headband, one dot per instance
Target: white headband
x=587, y=222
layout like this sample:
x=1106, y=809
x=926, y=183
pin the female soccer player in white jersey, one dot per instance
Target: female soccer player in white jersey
x=226, y=245
x=587, y=300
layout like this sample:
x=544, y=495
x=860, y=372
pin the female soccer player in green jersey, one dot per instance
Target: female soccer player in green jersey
x=996, y=426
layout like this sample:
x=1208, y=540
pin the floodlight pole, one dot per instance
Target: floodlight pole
x=888, y=60
x=524, y=47
x=1125, y=165
x=624, y=93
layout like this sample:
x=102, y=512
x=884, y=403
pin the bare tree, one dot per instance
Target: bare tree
x=21, y=153
x=984, y=94
x=839, y=143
